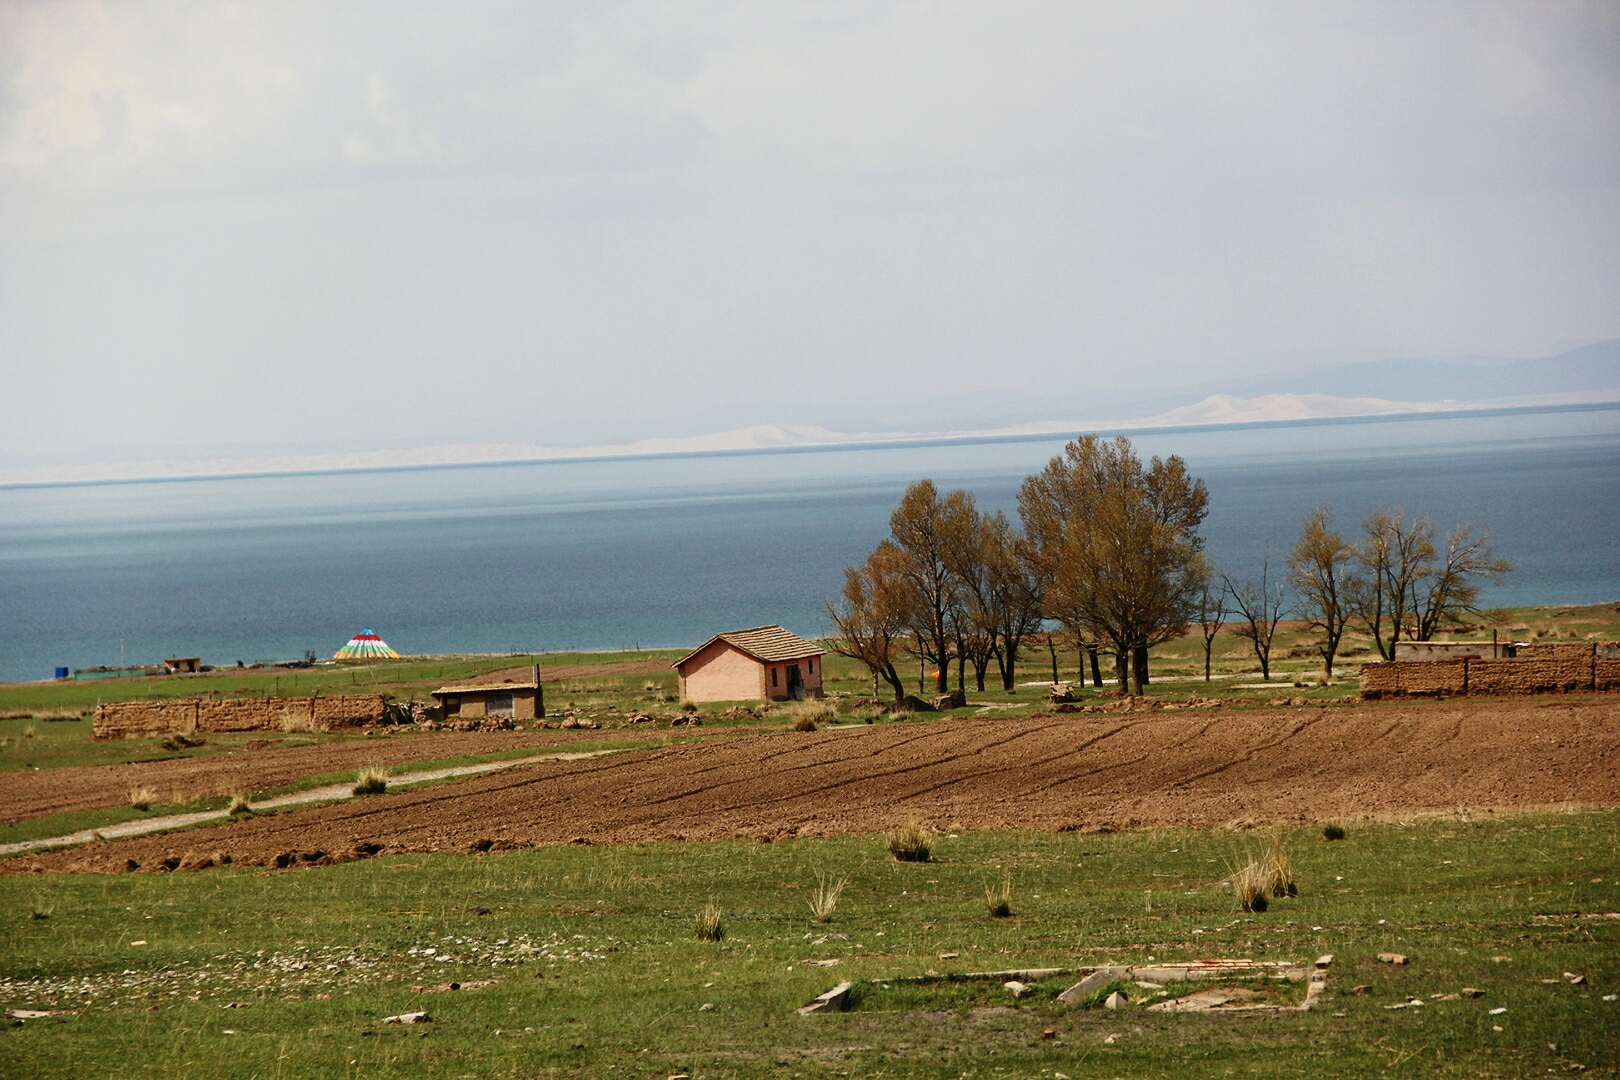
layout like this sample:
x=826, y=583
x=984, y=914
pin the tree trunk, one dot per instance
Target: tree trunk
x=1139, y=659
x=1096, y=669
x=1053, y=649
x=1122, y=669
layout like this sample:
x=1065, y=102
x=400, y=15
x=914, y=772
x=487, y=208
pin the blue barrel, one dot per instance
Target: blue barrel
x=61, y=673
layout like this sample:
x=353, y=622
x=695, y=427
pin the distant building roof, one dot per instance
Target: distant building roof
x=763, y=643
x=524, y=678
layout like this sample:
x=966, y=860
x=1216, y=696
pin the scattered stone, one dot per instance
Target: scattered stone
x=1414, y=1003
x=707, y=1006
x=833, y=1000
x=1110, y=1040
x=1116, y=1001
x=1499, y=1010
x=1362, y=989
x=1392, y=958
x=1611, y=997
x=1206, y=1000
x=1575, y=980
x=1470, y=992
x=28, y=1014
x=409, y=1018
x=1448, y=997
x=1049, y=1034
x=949, y=955
x=833, y=962
x=1017, y=989
x=1098, y=979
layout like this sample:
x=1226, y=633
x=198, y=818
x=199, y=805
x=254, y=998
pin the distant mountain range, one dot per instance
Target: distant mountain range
x=1586, y=370
x=1339, y=392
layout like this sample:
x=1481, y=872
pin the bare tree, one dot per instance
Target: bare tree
x=926, y=528
x=1212, y=613
x=1260, y=603
x=1001, y=595
x=1451, y=587
x=1397, y=553
x=1118, y=544
x=873, y=615
x=1319, y=571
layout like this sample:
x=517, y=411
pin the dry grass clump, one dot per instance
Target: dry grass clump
x=807, y=715
x=1279, y=870
x=370, y=781
x=239, y=804
x=142, y=798
x=825, y=898
x=914, y=843
x=30, y=731
x=998, y=898
x=709, y=926
x=1249, y=885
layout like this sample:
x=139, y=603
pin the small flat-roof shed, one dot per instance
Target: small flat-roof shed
x=766, y=663
x=515, y=693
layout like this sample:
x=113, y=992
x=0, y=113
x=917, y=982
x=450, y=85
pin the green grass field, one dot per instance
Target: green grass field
x=595, y=970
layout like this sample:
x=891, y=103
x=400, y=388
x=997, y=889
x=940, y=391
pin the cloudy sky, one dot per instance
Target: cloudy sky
x=236, y=227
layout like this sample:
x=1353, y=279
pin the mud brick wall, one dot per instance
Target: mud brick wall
x=1538, y=669
x=121, y=719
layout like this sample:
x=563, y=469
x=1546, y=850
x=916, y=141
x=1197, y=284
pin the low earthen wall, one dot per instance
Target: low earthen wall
x=184, y=716
x=1538, y=669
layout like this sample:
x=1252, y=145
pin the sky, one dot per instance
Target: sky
x=303, y=227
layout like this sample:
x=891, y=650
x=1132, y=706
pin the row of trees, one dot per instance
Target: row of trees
x=1110, y=551
x=1399, y=578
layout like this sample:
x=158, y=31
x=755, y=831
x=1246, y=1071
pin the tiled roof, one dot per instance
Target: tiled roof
x=767, y=643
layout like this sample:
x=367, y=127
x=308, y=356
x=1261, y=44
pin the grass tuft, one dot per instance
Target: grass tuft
x=998, y=898
x=1249, y=886
x=239, y=804
x=371, y=781
x=1279, y=869
x=1333, y=832
x=804, y=723
x=914, y=843
x=709, y=926
x=142, y=798
x=825, y=898
x=29, y=732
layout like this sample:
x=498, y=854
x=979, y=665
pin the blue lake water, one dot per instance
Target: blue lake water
x=667, y=552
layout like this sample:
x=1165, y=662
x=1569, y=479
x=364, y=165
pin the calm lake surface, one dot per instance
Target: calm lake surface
x=667, y=552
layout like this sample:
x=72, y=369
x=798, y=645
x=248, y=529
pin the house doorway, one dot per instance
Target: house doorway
x=795, y=683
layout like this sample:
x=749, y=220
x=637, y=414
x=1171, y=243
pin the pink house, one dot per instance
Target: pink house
x=766, y=663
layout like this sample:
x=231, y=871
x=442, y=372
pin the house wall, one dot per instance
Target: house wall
x=119, y=719
x=809, y=674
x=1538, y=669
x=722, y=672
x=526, y=704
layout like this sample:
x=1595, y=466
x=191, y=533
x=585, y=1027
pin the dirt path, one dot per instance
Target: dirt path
x=34, y=794
x=1200, y=768
x=327, y=793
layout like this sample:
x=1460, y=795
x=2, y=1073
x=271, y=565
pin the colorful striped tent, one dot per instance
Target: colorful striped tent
x=365, y=646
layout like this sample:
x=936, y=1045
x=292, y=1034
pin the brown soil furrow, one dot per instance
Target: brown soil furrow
x=25, y=795
x=1082, y=771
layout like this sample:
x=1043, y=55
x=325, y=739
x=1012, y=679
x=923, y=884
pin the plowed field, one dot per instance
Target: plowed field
x=32, y=794
x=1200, y=768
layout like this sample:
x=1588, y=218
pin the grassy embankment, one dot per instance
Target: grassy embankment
x=596, y=970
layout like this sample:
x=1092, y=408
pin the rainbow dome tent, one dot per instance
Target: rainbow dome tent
x=366, y=646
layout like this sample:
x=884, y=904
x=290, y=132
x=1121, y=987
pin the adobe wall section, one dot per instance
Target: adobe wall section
x=722, y=672
x=1538, y=669
x=121, y=719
